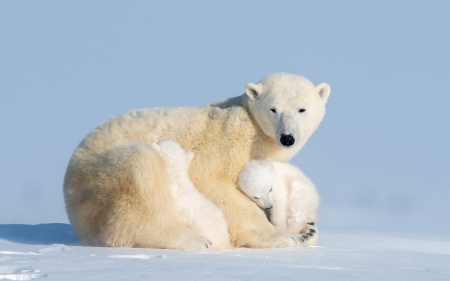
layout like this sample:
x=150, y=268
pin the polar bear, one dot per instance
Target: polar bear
x=116, y=186
x=289, y=197
x=194, y=210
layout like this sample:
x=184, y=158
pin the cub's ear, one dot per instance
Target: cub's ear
x=190, y=155
x=156, y=146
x=253, y=90
x=324, y=90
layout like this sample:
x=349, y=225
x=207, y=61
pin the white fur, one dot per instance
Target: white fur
x=293, y=195
x=195, y=211
x=117, y=186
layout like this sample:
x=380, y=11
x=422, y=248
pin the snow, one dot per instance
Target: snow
x=51, y=251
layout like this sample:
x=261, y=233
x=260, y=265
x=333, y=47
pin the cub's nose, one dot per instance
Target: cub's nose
x=287, y=140
x=269, y=208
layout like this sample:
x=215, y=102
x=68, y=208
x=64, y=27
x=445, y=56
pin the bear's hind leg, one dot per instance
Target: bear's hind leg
x=159, y=225
x=121, y=198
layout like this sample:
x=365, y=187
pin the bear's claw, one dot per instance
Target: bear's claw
x=299, y=238
x=310, y=234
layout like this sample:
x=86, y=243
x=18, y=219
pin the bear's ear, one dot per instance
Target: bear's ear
x=324, y=90
x=190, y=155
x=253, y=90
x=156, y=146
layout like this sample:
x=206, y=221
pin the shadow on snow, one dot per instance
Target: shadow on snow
x=40, y=234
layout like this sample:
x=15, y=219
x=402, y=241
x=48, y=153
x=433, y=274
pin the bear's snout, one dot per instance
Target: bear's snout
x=287, y=140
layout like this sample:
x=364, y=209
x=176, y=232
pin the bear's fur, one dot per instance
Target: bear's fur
x=116, y=186
x=290, y=197
x=194, y=210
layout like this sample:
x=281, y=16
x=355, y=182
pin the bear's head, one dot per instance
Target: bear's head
x=287, y=107
x=256, y=180
x=177, y=159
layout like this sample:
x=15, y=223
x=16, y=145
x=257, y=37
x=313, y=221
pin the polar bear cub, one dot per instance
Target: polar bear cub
x=285, y=193
x=195, y=211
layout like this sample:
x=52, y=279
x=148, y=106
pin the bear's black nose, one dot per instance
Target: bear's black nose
x=269, y=207
x=287, y=140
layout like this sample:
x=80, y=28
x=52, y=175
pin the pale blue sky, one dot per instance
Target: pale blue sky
x=379, y=159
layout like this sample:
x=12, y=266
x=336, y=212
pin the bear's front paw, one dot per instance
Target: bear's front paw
x=291, y=240
x=195, y=242
x=310, y=234
x=299, y=239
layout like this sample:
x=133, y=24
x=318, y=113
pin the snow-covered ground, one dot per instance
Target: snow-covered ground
x=50, y=251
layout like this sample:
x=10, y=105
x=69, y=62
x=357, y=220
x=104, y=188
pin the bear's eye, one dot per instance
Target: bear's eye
x=273, y=110
x=270, y=190
x=255, y=197
x=301, y=110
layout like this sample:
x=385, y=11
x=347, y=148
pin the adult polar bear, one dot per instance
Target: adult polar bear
x=116, y=188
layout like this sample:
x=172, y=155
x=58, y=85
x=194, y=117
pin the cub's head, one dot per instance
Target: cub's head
x=176, y=157
x=256, y=181
x=287, y=107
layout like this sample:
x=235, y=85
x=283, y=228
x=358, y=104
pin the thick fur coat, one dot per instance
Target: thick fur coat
x=117, y=187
